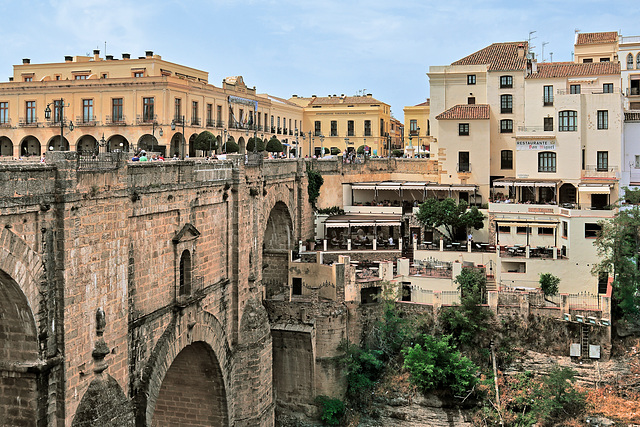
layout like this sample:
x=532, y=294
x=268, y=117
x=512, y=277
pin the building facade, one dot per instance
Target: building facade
x=418, y=136
x=88, y=104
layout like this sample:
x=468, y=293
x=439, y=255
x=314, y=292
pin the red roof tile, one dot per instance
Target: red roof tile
x=333, y=100
x=465, y=112
x=547, y=70
x=498, y=56
x=595, y=38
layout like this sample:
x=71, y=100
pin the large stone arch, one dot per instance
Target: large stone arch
x=190, y=326
x=55, y=145
x=278, y=240
x=20, y=272
x=30, y=146
x=6, y=146
x=117, y=143
x=87, y=144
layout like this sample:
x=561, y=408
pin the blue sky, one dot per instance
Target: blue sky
x=303, y=47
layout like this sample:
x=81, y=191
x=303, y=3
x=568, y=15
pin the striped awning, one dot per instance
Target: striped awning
x=594, y=189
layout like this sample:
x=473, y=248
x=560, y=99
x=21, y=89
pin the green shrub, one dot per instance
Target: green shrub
x=332, y=410
x=437, y=364
x=362, y=368
x=333, y=210
x=549, y=284
x=251, y=143
x=231, y=147
x=313, y=189
x=397, y=153
x=274, y=145
x=206, y=141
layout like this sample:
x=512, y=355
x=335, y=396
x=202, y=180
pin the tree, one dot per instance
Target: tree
x=449, y=215
x=472, y=284
x=231, y=147
x=313, y=188
x=549, y=284
x=206, y=141
x=251, y=143
x=274, y=145
x=335, y=151
x=618, y=245
x=360, y=150
x=397, y=153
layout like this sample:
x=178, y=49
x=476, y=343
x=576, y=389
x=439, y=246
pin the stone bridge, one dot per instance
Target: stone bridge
x=131, y=293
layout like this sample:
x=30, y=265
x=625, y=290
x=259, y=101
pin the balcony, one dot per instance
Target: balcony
x=588, y=90
x=28, y=122
x=219, y=123
x=211, y=123
x=273, y=129
x=632, y=91
x=195, y=121
x=284, y=131
x=593, y=171
x=148, y=119
x=6, y=123
x=463, y=167
x=279, y=131
x=86, y=121
x=115, y=121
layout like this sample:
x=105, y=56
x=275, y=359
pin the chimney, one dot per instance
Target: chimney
x=10, y=79
x=126, y=56
x=68, y=58
x=294, y=96
x=369, y=95
x=96, y=54
x=520, y=51
x=149, y=53
x=109, y=57
x=314, y=96
x=26, y=61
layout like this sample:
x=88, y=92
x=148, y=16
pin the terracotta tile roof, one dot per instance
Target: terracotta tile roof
x=594, y=38
x=498, y=56
x=334, y=100
x=548, y=70
x=423, y=104
x=465, y=112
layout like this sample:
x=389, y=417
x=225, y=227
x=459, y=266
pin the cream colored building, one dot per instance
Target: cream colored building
x=344, y=122
x=121, y=105
x=595, y=47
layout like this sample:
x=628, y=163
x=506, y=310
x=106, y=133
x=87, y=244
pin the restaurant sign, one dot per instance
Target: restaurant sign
x=535, y=145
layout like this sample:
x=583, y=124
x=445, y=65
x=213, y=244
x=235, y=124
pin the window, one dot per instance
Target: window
x=273, y=129
x=350, y=128
x=568, y=121
x=81, y=77
x=428, y=128
x=584, y=159
x=545, y=231
x=504, y=229
x=587, y=60
x=87, y=110
x=177, y=110
x=58, y=111
x=637, y=165
x=506, y=126
x=367, y=128
x=463, y=161
x=629, y=62
x=548, y=124
x=638, y=61
x=547, y=95
x=565, y=229
x=413, y=127
x=209, y=114
x=471, y=79
x=116, y=110
x=30, y=110
x=185, y=273
x=147, y=109
x=381, y=127
x=605, y=59
x=471, y=100
x=318, y=129
x=334, y=128
x=506, y=159
x=219, y=115
x=523, y=230
x=603, y=119
x=603, y=161
x=591, y=230
x=574, y=89
x=28, y=79
x=506, y=81
x=506, y=104
x=607, y=88
x=194, y=113
x=138, y=74
x=4, y=113
x=547, y=161
x=296, y=288
x=603, y=282
x=104, y=76
x=463, y=129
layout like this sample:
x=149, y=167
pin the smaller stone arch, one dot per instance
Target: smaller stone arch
x=242, y=145
x=54, y=144
x=192, y=145
x=87, y=144
x=276, y=244
x=6, y=146
x=30, y=146
x=148, y=142
x=117, y=143
x=176, y=145
x=567, y=194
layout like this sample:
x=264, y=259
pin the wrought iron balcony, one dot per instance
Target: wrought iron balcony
x=195, y=121
x=6, y=123
x=220, y=123
x=115, y=121
x=86, y=121
x=595, y=171
x=148, y=119
x=463, y=167
x=211, y=123
x=28, y=122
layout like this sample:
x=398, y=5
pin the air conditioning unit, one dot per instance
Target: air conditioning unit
x=579, y=318
x=592, y=320
x=567, y=317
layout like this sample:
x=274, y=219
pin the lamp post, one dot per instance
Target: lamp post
x=47, y=115
x=102, y=143
x=418, y=129
x=346, y=145
x=297, y=145
x=153, y=133
x=173, y=127
x=322, y=145
x=310, y=144
x=388, y=144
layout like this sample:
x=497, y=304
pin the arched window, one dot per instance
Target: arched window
x=629, y=62
x=185, y=273
x=638, y=61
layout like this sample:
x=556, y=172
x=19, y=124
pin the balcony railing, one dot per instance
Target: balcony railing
x=593, y=171
x=284, y=131
x=547, y=101
x=533, y=129
x=28, y=122
x=219, y=123
x=54, y=123
x=195, y=121
x=279, y=130
x=211, y=123
x=5, y=123
x=632, y=91
x=463, y=167
x=629, y=39
x=115, y=121
x=146, y=119
x=86, y=120
x=273, y=129
x=587, y=90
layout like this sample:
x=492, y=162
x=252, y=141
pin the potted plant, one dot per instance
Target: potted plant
x=311, y=244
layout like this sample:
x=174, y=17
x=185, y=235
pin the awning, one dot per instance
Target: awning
x=531, y=224
x=525, y=183
x=595, y=189
x=359, y=220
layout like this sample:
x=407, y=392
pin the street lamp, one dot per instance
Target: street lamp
x=310, y=155
x=297, y=145
x=322, y=145
x=346, y=145
x=47, y=115
x=418, y=129
x=102, y=143
x=173, y=127
x=153, y=134
x=388, y=144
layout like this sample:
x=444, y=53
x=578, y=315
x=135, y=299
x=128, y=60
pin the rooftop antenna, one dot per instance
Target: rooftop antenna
x=551, y=56
x=543, y=45
x=531, y=38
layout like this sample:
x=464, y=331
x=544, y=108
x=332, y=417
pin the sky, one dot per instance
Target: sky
x=304, y=47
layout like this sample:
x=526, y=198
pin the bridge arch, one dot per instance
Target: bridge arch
x=193, y=355
x=278, y=240
x=20, y=273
